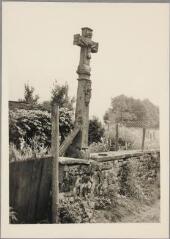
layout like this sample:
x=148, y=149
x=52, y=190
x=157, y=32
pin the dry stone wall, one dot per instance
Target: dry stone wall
x=86, y=186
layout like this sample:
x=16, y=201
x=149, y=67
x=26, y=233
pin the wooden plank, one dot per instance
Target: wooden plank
x=55, y=164
x=73, y=161
x=43, y=202
x=69, y=139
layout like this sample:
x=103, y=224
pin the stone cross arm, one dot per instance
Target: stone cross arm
x=86, y=43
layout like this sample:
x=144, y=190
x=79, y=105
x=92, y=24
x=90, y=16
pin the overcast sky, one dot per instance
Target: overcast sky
x=132, y=58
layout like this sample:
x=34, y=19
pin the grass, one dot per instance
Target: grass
x=26, y=153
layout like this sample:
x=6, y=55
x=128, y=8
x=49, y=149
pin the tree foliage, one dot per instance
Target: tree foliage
x=151, y=114
x=26, y=125
x=29, y=96
x=60, y=95
x=96, y=131
x=132, y=112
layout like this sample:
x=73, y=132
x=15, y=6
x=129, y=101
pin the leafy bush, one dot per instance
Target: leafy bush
x=102, y=146
x=76, y=210
x=96, y=131
x=33, y=127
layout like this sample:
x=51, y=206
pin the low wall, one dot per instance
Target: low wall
x=85, y=185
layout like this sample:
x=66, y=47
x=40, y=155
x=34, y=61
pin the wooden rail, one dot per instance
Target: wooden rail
x=68, y=140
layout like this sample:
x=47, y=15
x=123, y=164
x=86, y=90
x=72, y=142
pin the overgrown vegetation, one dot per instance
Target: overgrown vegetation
x=114, y=194
x=102, y=146
x=33, y=128
x=30, y=130
x=131, y=113
x=96, y=131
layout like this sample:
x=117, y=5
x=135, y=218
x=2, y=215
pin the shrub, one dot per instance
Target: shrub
x=75, y=210
x=102, y=146
x=96, y=131
x=33, y=127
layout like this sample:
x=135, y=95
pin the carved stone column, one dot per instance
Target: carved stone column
x=84, y=84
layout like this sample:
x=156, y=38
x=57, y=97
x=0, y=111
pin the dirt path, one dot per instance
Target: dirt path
x=146, y=214
x=143, y=214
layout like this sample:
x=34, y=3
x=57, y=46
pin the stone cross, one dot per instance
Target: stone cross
x=87, y=46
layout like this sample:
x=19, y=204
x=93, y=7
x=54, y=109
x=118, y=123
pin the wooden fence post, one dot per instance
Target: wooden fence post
x=55, y=162
x=143, y=138
x=117, y=137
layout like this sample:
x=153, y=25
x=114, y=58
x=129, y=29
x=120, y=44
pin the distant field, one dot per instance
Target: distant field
x=133, y=136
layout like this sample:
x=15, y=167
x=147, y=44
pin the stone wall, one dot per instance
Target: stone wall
x=106, y=180
x=86, y=186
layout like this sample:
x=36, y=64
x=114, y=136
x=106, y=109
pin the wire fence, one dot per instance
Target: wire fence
x=121, y=137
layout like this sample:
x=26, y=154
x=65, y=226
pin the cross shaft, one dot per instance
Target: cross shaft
x=87, y=46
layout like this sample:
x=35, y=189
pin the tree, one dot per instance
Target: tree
x=46, y=105
x=60, y=95
x=151, y=118
x=124, y=110
x=29, y=95
x=96, y=131
x=132, y=113
x=151, y=114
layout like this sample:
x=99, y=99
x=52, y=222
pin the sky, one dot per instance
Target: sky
x=132, y=58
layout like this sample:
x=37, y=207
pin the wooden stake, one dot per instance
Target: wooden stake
x=143, y=138
x=117, y=136
x=55, y=162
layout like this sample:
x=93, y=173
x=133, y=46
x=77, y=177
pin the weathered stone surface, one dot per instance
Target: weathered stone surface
x=84, y=84
x=122, y=155
x=87, y=47
x=77, y=140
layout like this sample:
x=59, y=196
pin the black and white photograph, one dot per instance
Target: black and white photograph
x=85, y=88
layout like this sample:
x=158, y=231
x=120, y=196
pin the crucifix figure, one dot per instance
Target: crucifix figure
x=87, y=46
